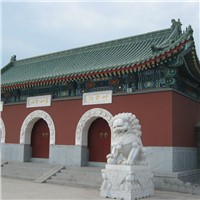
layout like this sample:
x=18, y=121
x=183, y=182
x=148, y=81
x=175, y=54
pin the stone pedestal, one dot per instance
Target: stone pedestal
x=127, y=182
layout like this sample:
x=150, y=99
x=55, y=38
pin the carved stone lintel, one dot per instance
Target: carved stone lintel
x=127, y=182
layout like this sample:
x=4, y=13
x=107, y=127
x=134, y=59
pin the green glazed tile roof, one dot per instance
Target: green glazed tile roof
x=98, y=58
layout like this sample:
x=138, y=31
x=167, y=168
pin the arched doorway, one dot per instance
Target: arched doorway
x=99, y=140
x=82, y=130
x=40, y=139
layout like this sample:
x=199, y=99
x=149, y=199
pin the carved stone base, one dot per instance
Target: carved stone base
x=127, y=182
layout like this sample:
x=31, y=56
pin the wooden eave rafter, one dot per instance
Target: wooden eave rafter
x=192, y=66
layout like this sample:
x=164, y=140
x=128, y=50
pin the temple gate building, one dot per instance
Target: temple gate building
x=57, y=107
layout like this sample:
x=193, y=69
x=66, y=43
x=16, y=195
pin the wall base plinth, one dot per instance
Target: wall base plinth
x=183, y=182
x=127, y=182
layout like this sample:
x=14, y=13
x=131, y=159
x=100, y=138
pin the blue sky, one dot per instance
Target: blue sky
x=35, y=28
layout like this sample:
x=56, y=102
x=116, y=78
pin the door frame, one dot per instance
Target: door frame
x=81, y=138
x=26, y=130
x=95, y=141
x=85, y=122
x=39, y=137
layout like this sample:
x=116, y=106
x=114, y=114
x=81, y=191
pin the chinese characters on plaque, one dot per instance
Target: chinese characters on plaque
x=38, y=101
x=102, y=97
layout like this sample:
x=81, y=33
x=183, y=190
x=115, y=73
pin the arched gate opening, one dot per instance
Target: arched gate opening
x=38, y=127
x=40, y=139
x=99, y=139
x=94, y=128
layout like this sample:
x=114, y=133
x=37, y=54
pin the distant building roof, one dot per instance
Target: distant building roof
x=117, y=56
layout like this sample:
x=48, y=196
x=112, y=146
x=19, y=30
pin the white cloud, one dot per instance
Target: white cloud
x=49, y=27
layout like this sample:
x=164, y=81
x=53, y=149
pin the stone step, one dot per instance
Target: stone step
x=8, y=166
x=26, y=171
x=82, y=169
x=19, y=169
x=87, y=177
x=74, y=184
x=83, y=179
x=27, y=165
x=78, y=176
x=32, y=175
x=20, y=177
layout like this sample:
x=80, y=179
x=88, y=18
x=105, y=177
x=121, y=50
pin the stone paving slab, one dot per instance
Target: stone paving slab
x=20, y=189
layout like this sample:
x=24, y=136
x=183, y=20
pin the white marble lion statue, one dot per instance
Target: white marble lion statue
x=126, y=145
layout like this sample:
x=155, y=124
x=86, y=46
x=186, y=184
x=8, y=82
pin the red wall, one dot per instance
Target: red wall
x=154, y=113
x=154, y=110
x=167, y=118
x=186, y=114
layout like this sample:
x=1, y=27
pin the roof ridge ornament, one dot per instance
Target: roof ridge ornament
x=13, y=58
x=175, y=35
x=189, y=29
x=176, y=24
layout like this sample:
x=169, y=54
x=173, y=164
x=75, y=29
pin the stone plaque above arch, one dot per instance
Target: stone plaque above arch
x=85, y=122
x=31, y=119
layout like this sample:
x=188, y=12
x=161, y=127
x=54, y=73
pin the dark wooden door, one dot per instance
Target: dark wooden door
x=40, y=140
x=99, y=139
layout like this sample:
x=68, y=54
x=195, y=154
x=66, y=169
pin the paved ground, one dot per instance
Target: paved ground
x=20, y=189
